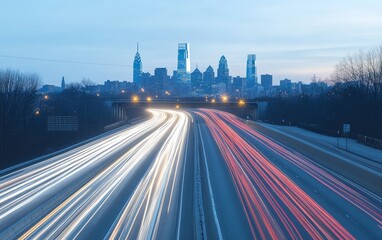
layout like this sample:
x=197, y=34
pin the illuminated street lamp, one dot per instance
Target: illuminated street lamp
x=241, y=102
x=46, y=97
x=213, y=100
x=225, y=98
x=135, y=99
x=177, y=106
x=149, y=99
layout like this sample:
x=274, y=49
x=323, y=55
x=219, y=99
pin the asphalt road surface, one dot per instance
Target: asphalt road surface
x=193, y=174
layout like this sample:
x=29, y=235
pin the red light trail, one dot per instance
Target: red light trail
x=275, y=206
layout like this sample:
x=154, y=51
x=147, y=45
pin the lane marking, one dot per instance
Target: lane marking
x=181, y=193
x=210, y=188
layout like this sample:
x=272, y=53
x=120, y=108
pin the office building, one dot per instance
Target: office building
x=251, y=70
x=266, y=82
x=184, y=64
x=161, y=79
x=208, y=79
x=238, y=86
x=196, y=79
x=137, y=69
x=286, y=85
x=223, y=71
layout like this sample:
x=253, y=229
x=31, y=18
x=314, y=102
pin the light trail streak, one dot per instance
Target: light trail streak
x=276, y=208
x=145, y=207
x=105, y=165
x=348, y=190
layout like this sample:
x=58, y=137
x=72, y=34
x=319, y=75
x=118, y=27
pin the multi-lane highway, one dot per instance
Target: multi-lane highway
x=193, y=174
x=281, y=193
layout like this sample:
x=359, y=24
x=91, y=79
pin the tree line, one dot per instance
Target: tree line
x=355, y=98
x=24, y=113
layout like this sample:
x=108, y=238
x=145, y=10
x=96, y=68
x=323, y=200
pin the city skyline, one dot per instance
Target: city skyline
x=293, y=40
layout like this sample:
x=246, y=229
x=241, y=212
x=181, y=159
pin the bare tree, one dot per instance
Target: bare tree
x=362, y=71
x=17, y=99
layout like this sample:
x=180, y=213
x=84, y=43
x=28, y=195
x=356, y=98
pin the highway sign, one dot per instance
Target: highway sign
x=346, y=128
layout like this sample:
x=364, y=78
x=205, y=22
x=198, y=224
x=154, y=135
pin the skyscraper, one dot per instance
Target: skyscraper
x=251, y=70
x=161, y=79
x=266, y=81
x=223, y=71
x=196, y=79
x=137, y=69
x=209, y=79
x=286, y=85
x=184, y=65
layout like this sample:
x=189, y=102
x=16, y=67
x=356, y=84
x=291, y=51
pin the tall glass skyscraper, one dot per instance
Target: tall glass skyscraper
x=223, y=71
x=184, y=65
x=137, y=69
x=251, y=70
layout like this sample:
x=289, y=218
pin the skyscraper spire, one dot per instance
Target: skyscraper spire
x=137, y=68
x=62, y=83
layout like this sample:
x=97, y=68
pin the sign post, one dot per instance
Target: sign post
x=346, y=130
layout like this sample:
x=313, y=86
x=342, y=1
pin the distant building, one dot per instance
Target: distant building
x=62, y=83
x=208, y=79
x=184, y=64
x=286, y=85
x=137, y=69
x=266, y=82
x=49, y=89
x=238, y=86
x=115, y=87
x=161, y=80
x=148, y=83
x=251, y=70
x=197, y=80
x=318, y=88
x=223, y=71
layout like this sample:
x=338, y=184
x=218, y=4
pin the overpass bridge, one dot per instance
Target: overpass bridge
x=125, y=109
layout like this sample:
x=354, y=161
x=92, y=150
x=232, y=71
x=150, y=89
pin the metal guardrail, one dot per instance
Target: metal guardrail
x=368, y=141
x=372, y=142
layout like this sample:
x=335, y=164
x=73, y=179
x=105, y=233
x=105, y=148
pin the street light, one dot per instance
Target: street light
x=177, y=106
x=241, y=102
x=46, y=97
x=225, y=98
x=213, y=100
x=149, y=99
x=135, y=99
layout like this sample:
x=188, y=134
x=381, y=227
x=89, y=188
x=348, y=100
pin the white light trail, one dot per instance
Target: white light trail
x=110, y=161
x=155, y=190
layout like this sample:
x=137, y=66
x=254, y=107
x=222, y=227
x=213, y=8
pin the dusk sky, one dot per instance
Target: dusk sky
x=292, y=39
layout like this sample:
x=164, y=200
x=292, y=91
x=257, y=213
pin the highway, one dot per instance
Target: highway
x=283, y=194
x=124, y=185
x=194, y=174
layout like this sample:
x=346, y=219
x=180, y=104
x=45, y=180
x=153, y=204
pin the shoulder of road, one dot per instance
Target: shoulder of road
x=361, y=164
